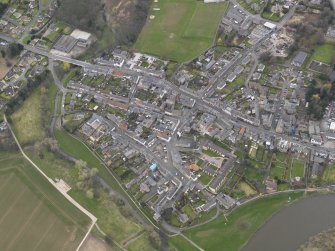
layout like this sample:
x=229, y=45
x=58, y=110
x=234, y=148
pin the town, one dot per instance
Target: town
x=187, y=141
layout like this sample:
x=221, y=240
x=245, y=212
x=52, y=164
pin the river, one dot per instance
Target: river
x=293, y=225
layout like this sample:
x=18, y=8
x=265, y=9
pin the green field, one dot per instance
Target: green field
x=298, y=168
x=34, y=215
x=231, y=235
x=27, y=120
x=205, y=179
x=329, y=174
x=271, y=16
x=323, y=53
x=142, y=243
x=278, y=171
x=180, y=243
x=181, y=29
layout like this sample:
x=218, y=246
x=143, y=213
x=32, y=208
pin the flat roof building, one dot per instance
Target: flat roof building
x=65, y=43
x=299, y=59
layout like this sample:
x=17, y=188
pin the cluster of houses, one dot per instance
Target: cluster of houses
x=29, y=65
x=17, y=17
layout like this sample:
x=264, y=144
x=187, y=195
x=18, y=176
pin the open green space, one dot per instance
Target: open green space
x=323, y=53
x=180, y=243
x=141, y=243
x=278, y=171
x=231, y=235
x=298, y=168
x=281, y=156
x=27, y=120
x=34, y=215
x=189, y=211
x=271, y=16
x=205, y=179
x=329, y=174
x=180, y=29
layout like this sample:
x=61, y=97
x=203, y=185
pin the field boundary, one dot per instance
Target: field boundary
x=68, y=197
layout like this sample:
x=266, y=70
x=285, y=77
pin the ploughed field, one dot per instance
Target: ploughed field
x=33, y=214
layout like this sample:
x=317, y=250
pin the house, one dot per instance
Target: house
x=231, y=77
x=271, y=185
x=260, y=67
x=316, y=140
x=226, y=201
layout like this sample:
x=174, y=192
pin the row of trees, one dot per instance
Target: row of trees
x=3, y=8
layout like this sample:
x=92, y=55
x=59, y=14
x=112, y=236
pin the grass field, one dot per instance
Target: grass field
x=181, y=29
x=278, y=171
x=329, y=174
x=323, y=53
x=205, y=179
x=246, y=188
x=27, y=120
x=34, y=215
x=142, y=243
x=298, y=168
x=231, y=235
x=180, y=244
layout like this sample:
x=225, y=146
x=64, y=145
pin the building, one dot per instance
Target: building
x=65, y=43
x=231, y=77
x=270, y=26
x=299, y=59
x=153, y=167
x=316, y=140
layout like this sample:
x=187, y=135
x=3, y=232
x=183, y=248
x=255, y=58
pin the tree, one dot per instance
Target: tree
x=90, y=194
x=3, y=8
x=66, y=66
x=15, y=50
x=167, y=214
x=80, y=164
x=155, y=239
x=265, y=57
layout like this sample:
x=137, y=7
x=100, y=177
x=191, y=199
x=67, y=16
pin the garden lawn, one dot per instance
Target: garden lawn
x=323, y=53
x=298, y=168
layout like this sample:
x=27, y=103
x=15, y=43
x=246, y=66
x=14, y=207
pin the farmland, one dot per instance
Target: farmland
x=180, y=30
x=34, y=215
x=116, y=221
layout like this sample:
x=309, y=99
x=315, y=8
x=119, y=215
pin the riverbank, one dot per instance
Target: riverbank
x=293, y=225
x=231, y=233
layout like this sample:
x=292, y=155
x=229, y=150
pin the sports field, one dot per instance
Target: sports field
x=34, y=215
x=180, y=29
